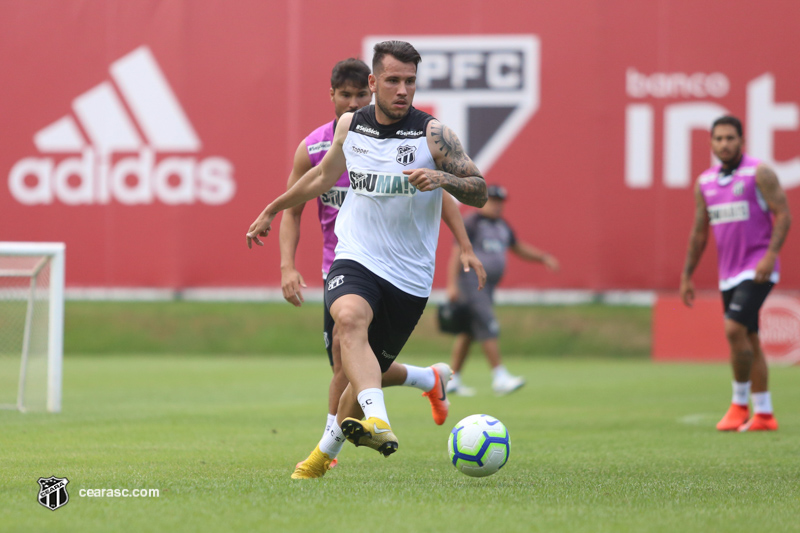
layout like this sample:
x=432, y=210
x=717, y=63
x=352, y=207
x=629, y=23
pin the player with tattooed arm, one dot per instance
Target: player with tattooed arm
x=742, y=200
x=400, y=161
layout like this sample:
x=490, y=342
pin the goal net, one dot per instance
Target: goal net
x=31, y=325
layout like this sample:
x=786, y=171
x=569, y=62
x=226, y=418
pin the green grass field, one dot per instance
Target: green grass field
x=213, y=328
x=598, y=445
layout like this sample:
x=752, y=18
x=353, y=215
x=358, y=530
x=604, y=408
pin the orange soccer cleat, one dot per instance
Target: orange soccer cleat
x=440, y=405
x=735, y=417
x=760, y=422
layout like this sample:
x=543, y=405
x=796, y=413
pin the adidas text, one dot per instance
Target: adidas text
x=91, y=178
x=135, y=145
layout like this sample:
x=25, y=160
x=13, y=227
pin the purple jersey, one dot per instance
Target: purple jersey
x=741, y=221
x=318, y=143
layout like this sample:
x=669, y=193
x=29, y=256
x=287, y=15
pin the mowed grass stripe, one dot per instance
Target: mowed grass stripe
x=277, y=328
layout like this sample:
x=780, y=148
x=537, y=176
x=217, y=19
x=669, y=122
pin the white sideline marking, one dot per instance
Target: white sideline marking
x=696, y=419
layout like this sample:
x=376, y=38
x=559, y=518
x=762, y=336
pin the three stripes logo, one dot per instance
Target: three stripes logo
x=106, y=149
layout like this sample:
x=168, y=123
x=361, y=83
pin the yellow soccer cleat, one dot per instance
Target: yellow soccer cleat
x=372, y=432
x=333, y=464
x=314, y=466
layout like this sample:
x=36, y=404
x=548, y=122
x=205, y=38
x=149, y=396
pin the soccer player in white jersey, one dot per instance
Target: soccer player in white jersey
x=398, y=159
x=349, y=92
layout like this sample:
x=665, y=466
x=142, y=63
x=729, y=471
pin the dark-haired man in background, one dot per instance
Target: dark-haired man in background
x=743, y=201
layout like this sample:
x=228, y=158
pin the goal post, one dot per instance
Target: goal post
x=31, y=325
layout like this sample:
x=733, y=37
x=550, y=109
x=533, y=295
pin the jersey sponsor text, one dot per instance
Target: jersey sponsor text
x=728, y=212
x=374, y=184
x=367, y=130
x=322, y=146
x=334, y=197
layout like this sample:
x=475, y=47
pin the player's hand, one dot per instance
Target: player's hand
x=470, y=260
x=551, y=263
x=764, y=268
x=425, y=179
x=453, y=294
x=687, y=292
x=291, y=282
x=259, y=228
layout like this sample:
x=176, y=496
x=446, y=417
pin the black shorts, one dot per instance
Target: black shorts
x=327, y=332
x=483, y=323
x=743, y=302
x=395, y=313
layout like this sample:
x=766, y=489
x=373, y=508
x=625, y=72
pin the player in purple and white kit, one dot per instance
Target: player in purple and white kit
x=744, y=203
x=349, y=92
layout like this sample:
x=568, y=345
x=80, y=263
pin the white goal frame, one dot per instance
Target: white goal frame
x=55, y=253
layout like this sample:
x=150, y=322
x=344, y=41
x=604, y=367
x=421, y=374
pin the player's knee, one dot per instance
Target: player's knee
x=735, y=332
x=349, y=321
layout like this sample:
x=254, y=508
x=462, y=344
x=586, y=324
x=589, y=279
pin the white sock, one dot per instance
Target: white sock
x=421, y=378
x=762, y=403
x=741, y=393
x=331, y=420
x=500, y=372
x=371, y=402
x=332, y=441
x=455, y=380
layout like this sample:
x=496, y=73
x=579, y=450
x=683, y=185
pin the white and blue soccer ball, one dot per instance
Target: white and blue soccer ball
x=479, y=445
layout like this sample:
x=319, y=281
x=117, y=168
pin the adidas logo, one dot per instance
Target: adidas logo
x=107, y=149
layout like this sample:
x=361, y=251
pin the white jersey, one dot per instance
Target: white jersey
x=385, y=223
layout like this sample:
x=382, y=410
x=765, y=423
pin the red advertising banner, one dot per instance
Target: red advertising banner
x=148, y=135
x=698, y=334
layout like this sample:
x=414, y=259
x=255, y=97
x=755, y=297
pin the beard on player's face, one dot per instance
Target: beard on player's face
x=390, y=113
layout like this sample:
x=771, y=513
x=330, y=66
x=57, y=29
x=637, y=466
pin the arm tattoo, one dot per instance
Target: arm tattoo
x=458, y=174
x=767, y=182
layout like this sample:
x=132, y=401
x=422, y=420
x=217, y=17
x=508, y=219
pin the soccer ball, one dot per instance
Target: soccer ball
x=479, y=445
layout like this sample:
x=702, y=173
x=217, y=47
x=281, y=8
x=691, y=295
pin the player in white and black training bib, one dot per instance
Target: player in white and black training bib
x=397, y=158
